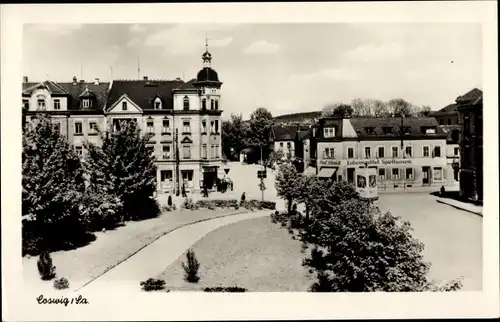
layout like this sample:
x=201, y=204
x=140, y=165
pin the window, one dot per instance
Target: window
x=79, y=150
x=151, y=128
x=186, y=103
x=166, y=126
x=387, y=130
x=408, y=151
x=204, y=151
x=187, y=178
x=370, y=130
x=57, y=127
x=212, y=104
x=41, y=104
x=406, y=130
x=350, y=153
x=456, y=151
x=367, y=152
x=441, y=122
x=57, y=104
x=449, y=121
x=329, y=132
x=26, y=104
x=157, y=105
x=166, y=152
x=124, y=106
x=86, y=102
x=329, y=153
x=454, y=135
x=92, y=127
x=186, y=152
x=430, y=130
x=437, y=151
x=166, y=178
x=288, y=145
x=212, y=151
x=204, y=104
x=395, y=174
x=216, y=104
x=212, y=127
x=381, y=174
x=438, y=174
x=426, y=151
x=204, y=126
x=394, y=151
x=381, y=151
x=281, y=144
x=216, y=126
x=186, y=127
x=217, y=151
x=78, y=128
x=409, y=174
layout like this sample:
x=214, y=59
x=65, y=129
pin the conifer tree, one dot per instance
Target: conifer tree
x=123, y=166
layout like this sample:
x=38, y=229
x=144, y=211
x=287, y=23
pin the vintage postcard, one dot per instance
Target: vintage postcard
x=313, y=158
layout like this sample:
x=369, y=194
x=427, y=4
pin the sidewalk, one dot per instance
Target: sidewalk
x=478, y=210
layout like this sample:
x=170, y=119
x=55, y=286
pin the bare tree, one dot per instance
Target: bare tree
x=399, y=106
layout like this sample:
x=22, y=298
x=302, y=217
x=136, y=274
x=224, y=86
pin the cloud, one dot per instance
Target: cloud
x=261, y=47
x=134, y=42
x=57, y=29
x=184, y=39
x=333, y=74
x=137, y=28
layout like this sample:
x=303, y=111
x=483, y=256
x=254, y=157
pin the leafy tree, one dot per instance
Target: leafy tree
x=234, y=135
x=45, y=267
x=191, y=267
x=365, y=250
x=399, y=106
x=338, y=109
x=259, y=134
x=53, y=183
x=123, y=167
x=288, y=184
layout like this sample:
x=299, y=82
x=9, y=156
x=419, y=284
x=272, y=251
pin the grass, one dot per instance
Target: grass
x=254, y=254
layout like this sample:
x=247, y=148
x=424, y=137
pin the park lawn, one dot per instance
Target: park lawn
x=111, y=247
x=254, y=254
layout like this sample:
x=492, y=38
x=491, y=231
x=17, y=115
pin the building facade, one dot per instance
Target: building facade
x=406, y=152
x=183, y=118
x=470, y=108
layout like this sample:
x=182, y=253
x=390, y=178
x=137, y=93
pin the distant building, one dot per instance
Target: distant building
x=182, y=116
x=470, y=109
x=284, y=139
x=407, y=152
x=447, y=118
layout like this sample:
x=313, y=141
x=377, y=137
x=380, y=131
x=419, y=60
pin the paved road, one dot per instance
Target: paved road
x=153, y=259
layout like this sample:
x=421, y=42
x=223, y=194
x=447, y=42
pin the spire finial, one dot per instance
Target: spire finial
x=206, y=41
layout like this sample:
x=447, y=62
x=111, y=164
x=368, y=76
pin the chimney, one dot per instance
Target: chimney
x=25, y=79
x=178, y=79
x=82, y=81
x=96, y=81
x=145, y=78
x=74, y=80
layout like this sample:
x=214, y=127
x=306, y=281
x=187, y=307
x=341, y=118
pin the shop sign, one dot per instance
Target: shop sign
x=330, y=162
x=379, y=162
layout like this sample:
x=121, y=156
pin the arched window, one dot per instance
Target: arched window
x=157, y=104
x=41, y=102
x=212, y=104
x=186, y=103
x=204, y=104
x=216, y=104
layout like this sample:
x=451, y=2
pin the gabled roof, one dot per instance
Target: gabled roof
x=303, y=134
x=144, y=92
x=471, y=97
x=188, y=86
x=447, y=110
x=73, y=90
x=360, y=125
x=284, y=132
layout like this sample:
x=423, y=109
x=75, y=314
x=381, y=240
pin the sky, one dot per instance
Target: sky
x=286, y=68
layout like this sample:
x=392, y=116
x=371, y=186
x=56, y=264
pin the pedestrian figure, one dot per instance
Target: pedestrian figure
x=243, y=197
x=442, y=191
x=205, y=191
x=184, y=191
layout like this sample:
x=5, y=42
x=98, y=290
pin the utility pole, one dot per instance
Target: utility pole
x=262, y=188
x=176, y=142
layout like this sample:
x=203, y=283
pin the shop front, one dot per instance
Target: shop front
x=391, y=173
x=209, y=177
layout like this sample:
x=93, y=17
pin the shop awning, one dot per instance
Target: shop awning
x=310, y=170
x=327, y=172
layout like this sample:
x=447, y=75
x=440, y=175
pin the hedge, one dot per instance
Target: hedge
x=215, y=203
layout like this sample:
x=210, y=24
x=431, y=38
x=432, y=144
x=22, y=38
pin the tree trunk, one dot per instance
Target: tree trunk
x=289, y=205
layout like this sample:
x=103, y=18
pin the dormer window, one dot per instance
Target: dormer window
x=329, y=132
x=86, y=102
x=406, y=130
x=186, y=103
x=387, y=129
x=124, y=106
x=370, y=130
x=430, y=130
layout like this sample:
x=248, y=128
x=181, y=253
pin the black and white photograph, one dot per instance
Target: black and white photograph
x=171, y=159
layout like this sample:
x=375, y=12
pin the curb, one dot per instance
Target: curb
x=460, y=208
x=155, y=239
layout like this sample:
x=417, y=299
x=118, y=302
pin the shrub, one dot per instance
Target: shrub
x=45, y=266
x=212, y=204
x=61, y=283
x=188, y=204
x=152, y=285
x=268, y=205
x=224, y=289
x=191, y=268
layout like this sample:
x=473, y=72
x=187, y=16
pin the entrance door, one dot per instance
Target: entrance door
x=426, y=172
x=209, y=179
x=350, y=175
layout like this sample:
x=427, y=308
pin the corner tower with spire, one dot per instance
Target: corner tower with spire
x=208, y=82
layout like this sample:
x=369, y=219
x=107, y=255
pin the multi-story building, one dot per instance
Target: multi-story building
x=470, y=109
x=284, y=139
x=407, y=152
x=447, y=118
x=183, y=118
